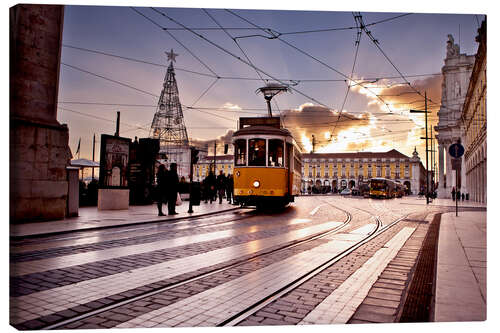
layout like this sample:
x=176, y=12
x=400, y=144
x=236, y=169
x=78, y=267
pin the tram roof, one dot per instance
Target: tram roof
x=264, y=130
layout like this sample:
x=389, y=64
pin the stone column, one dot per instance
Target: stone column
x=39, y=151
x=441, y=188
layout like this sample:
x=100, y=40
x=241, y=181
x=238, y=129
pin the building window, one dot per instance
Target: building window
x=407, y=171
x=379, y=171
x=387, y=171
x=310, y=171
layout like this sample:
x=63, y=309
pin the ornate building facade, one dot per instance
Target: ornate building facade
x=347, y=170
x=456, y=73
x=474, y=121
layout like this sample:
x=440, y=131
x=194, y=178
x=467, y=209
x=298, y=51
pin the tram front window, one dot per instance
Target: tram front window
x=240, y=152
x=257, y=152
x=275, y=153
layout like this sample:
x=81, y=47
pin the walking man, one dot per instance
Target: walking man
x=221, y=185
x=172, y=188
x=161, y=188
x=229, y=187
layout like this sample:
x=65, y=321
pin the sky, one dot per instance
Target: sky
x=316, y=65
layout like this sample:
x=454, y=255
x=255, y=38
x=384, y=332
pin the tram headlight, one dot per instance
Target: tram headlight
x=256, y=184
x=238, y=173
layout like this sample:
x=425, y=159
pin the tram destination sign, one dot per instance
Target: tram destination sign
x=456, y=150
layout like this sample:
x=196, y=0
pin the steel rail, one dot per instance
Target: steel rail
x=379, y=229
x=200, y=276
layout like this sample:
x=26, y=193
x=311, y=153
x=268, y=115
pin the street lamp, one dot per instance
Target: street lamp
x=426, y=149
x=271, y=90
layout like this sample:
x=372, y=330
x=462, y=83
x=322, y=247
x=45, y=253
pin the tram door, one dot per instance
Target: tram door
x=289, y=161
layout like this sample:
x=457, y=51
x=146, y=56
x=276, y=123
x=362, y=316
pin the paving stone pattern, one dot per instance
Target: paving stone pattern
x=30, y=283
x=385, y=299
x=296, y=304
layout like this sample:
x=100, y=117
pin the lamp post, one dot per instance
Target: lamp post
x=426, y=150
x=269, y=91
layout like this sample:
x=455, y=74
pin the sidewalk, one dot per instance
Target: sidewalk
x=461, y=268
x=447, y=203
x=92, y=218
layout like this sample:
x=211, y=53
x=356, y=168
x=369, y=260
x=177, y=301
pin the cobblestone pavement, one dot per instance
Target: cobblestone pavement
x=62, y=276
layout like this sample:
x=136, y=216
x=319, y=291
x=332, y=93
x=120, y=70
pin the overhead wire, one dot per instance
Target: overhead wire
x=356, y=43
x=177, y=40
x=356, y=83
x=299, y=80
x=235, y=56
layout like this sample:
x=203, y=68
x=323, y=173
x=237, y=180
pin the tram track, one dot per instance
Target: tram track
x=118, y=304
x=379, y=229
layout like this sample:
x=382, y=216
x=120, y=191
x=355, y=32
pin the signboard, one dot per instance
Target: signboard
x=114, y=162
x=456, y=164
x=456, y=150
x=259, y=121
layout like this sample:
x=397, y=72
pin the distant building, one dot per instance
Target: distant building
x=339, y=170
x=474, y=122
x=205, y=164
x=456, y=73
x=347, y=170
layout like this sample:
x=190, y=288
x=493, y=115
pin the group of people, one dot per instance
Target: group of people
x=212, y=186
x=168, y=187
x=456, y=194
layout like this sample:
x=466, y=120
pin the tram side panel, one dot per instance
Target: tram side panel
x=255, y=184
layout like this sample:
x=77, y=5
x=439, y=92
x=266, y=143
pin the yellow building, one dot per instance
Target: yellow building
x=205, y=164
x=335, y=171
x=474, y=121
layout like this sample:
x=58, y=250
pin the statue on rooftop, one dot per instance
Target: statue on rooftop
x=452, y=49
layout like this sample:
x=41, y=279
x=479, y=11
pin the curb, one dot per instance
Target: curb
x=175, y=219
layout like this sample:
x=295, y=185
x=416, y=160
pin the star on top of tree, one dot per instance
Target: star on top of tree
x=171, y=55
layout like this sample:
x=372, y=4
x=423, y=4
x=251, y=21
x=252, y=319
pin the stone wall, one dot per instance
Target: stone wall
x=39, y=151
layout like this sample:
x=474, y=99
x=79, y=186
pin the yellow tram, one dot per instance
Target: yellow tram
x=267, y=163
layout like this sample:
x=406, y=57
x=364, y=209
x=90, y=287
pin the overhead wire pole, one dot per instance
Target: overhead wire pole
x=426, y=150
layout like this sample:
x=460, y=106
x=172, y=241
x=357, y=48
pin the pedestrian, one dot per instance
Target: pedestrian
x=457, y=195
x=229, y=187
x=453, y=193
x=172, y=188
x=161, y=188
x=221, y=185
x=210, y=186
x=463, y=196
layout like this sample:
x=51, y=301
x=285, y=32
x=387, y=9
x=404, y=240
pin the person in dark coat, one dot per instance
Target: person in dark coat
x=172, y=188
x=221, y=185
x=453, y=193
x=161, y=181
x=210, y=186
x=229, y=187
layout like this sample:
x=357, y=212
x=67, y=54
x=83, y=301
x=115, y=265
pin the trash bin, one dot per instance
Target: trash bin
x=195, y=195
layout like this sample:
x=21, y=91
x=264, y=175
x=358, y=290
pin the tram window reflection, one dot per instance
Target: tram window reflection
x=240, y=152
x=275, y=153
x=257, y=152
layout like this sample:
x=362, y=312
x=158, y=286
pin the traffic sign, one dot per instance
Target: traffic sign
x=456, y=150
x=456, y=163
